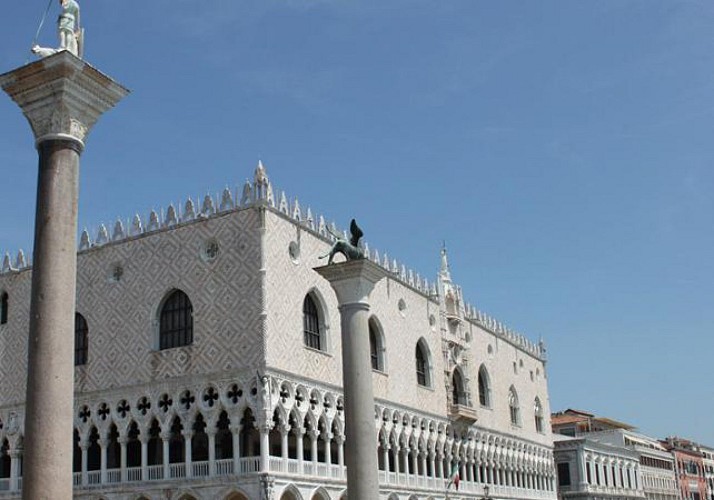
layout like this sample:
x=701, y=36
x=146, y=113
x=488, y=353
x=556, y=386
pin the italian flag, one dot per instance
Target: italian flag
x=455, y=478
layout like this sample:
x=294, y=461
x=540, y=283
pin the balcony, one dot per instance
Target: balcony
x=462, y=413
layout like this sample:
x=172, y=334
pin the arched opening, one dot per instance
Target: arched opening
x=458, y=394
x=376, y=345
x=321, y=440
x=76, y=452
x=176, y=321
x=199, y=440
x=423, y=364
x=133, y=446
x=250, y=437
x=177, y=446
x=334, y=446
x=313, y=323
x=291, y=493
x=307, y=440
x=113, y=448
x=5, y=459
x=538, y=415
x=320, y=494
x=224, y=437
x=155, y=447
x=81, y=340
x=274, y=436
x=295, y=428
x=484, y=387
x=94, y=452
x=236, y=496
x=4, y=305
x=393, y=456
x=513, y=406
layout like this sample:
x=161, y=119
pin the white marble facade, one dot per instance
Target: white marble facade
x=196, y=421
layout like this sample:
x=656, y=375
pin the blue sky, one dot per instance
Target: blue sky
x=563, y=149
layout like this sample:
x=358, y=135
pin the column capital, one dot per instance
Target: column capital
x=353, y=280
x=61, y=96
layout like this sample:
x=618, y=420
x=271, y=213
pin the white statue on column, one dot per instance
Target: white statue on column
x=69, y=30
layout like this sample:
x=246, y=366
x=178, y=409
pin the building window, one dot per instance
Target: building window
x=564, y=474
x=4, y=298
x=176, y=321
x=513, y=406
x=311, y=324
x=484, y=388
x=457, y=389
x=538, y=411
x=376, y=345
x=422, y=364
x=81, y=340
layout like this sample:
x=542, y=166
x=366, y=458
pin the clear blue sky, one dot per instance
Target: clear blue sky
x=563, y=149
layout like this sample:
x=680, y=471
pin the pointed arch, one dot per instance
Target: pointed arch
x=290, y=492
x=5, y=459
x=423, y=363
x=4, y=306
x=81, y=340
x=236, y=495
x=377, y=347
x=458, y=388
x=538, y=415
x=484, y=387
x=514, y=406
x=155, y=445
x=314, y=321
x=175, y=320
x=320, y=493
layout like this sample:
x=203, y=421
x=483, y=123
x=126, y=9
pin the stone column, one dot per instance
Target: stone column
x=284, y=434
x=84, y=446
x=103, y=442
x=144, y=440
x=265, y=428
x=211, y=432
x=165, y=437
x=314, y=434
x=15, y=457
x=340, y=452
x=235, y=431
x=188, y=451
x=299, y=433
x=353, y=281
x=122, y=440
x=62, y=97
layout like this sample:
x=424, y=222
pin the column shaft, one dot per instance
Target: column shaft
x=50, y=366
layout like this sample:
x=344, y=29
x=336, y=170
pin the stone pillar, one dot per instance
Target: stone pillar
x=62, y=97
x=144, y=440
x=328, y=449
x=284, y=434
x=165, y=437
x=314, y=434
x=15, y=457
x=211, y=432
x=299, y=433
x=265, y=446
x=188, y=451
x=235, y=431
x=353, y=281
x=340, y=452
x=103, y=442
x=122, y=440
x=84, y=446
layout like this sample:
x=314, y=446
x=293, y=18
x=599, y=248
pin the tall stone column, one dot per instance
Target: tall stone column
x=62, y=97
x=353, y=281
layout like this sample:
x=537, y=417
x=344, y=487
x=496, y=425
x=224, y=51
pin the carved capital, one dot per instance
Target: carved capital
x=61, y=96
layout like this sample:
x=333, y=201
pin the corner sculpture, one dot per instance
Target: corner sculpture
x=350, y=249
x=69, y=30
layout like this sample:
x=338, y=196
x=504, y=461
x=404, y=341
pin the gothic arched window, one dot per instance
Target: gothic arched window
x=538, y=412
x=422, y=364
x=484, y=387
x=311, y=324
x=81, y=340
x=513, y=406
x=376, y=345
x=457, y=389
x=176, y=321
x=4, y=299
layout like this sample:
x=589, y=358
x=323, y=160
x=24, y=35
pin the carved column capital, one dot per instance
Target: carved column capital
x=61, y=96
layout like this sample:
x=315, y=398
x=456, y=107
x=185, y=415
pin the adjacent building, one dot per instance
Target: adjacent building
x=689, y=467
x=208, y=366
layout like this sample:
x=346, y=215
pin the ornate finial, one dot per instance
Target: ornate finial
x=444, y=262
x=350, y=249
x=71, y=33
